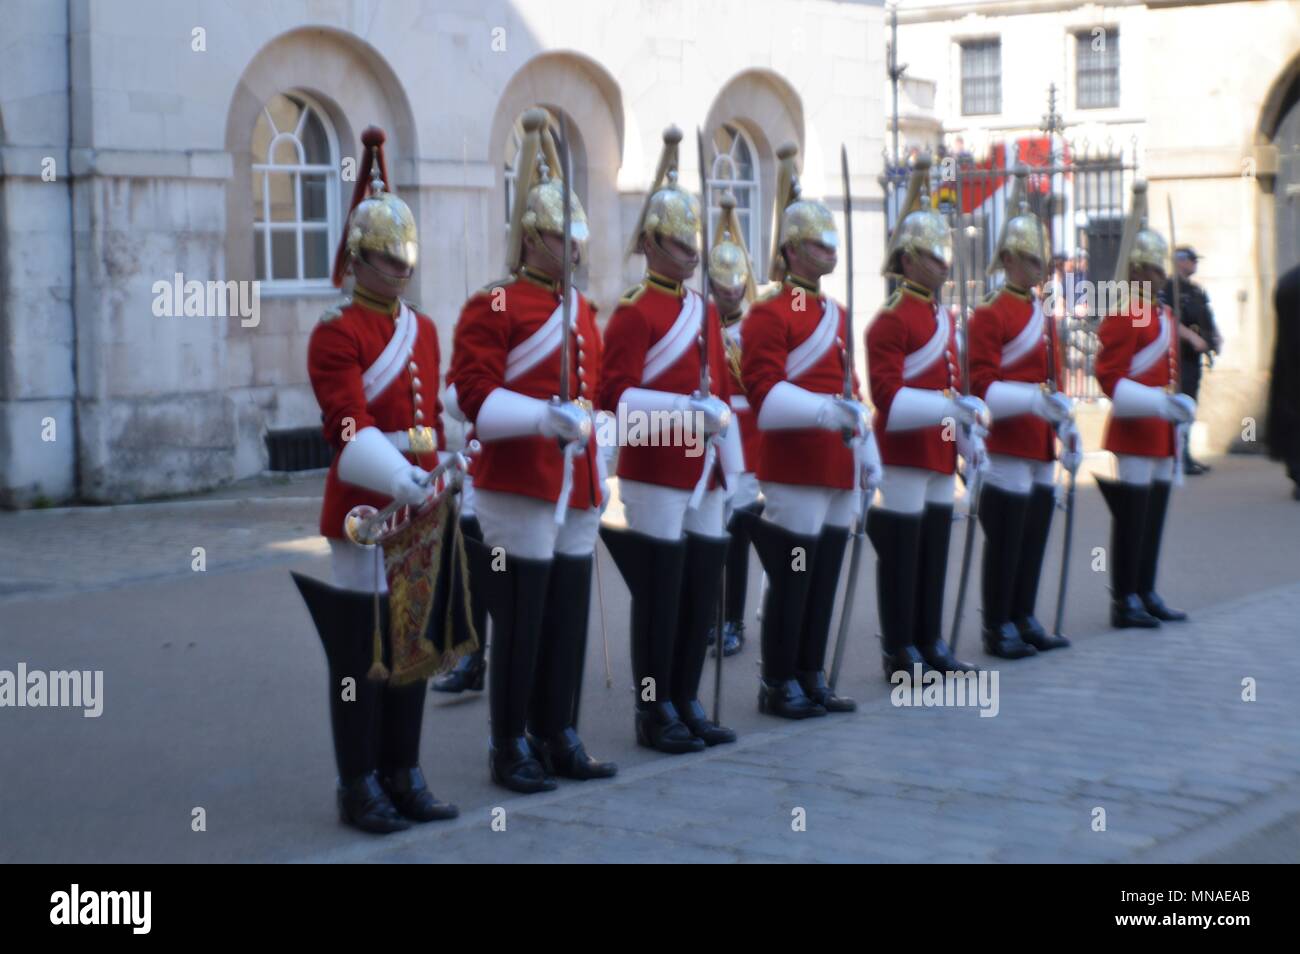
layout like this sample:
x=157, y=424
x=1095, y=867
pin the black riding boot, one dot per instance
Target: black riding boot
x=737, y=581
x=1038, y=527
x=701, y=579
x=652, y=569
x=345, y=621
x=1128, y=509
x=817, y=621
x=1002, y=515
x=896, y=538
x=399, y=755
x=790, y=579
x=1157, y=506
x=932, y=575
x=557, y=687
x=516, y=597
x=469, y=669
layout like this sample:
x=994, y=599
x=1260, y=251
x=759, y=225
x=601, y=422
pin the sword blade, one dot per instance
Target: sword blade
x=566, y=272
x=1065, y=559
x=849, y=342
x=705, y=386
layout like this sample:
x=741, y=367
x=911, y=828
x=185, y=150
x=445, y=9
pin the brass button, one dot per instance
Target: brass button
x=413, y=367
x=416, y=383
x=419, y=399
x=419, y=416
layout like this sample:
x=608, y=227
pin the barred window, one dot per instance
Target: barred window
x=981, y=77
x=735, y=168
x=295, y=193
x=1097, y=58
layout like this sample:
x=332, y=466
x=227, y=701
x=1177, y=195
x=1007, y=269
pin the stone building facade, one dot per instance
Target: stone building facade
x=1205, y=93
x=149, y=144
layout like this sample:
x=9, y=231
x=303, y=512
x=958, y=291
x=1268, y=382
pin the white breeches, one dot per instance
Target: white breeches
x=357, y=568
x=525, y=527
x=1143, y=470
x=910, y=489
x=665, y=513
x=745, y=490
x=805, y=509
x=1017, y=475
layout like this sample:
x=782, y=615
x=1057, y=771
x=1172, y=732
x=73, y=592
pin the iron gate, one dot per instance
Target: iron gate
x=1082, y=194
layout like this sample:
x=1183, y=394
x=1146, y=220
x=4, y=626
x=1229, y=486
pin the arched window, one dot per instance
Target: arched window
x=735, y=167
x=295, y=194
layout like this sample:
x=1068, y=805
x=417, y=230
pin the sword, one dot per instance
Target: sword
x=1053, y=383
x=566, y=272
x=569, y=449
x=973, y=485
x=859, y=528
x=1175, y=367
x=705, y=386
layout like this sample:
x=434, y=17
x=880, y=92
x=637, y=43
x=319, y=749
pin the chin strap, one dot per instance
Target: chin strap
x=676, y=259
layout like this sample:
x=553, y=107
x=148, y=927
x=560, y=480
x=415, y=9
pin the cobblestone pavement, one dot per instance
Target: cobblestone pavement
x=1152, y=729
x=214, y=696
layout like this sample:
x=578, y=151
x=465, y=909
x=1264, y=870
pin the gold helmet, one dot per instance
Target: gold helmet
x=1023, y=232
x=1140, y=245
x=379, y=221
x=669, y=210
x=797, y=218
x=920, y=229
x=539, y=192
x=729, y=265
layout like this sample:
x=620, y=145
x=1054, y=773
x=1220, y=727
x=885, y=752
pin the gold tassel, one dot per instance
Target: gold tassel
x=378, y=671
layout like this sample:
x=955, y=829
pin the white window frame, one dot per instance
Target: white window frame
x=262, y=230
x=723, y=175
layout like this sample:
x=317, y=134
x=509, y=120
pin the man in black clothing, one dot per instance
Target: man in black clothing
x=1284, y=390
x=1198, y=335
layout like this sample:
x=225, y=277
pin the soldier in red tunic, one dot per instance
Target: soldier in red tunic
x=373, y=363
x=537, y=486
x=1014, y=365
x=924, y=423
x=671, y=484
x=793, y=369
x=731, y=282
x=1137, y=367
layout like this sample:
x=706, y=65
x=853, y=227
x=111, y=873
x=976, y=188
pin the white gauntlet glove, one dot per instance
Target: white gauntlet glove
x=566, y=421
x=970, y=445
x=1071, y=446
x=1181, y=409
x=873, y=468
x=407, y=486
x=714, y=413
x=1054, y=407
x=841, y=414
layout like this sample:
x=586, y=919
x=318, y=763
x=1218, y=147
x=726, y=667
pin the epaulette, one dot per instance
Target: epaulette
x=632, y=294
x=771, y=292
x=336, y=309
x=892, y=301
x=991, y=297
x=492, y=286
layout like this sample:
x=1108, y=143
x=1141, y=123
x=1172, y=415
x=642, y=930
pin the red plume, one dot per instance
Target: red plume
x=372, y=149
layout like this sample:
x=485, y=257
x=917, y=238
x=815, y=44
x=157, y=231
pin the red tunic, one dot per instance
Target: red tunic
x=907, y=323
x=1123, y=335
x=742, y=412
x=776, y=326
x=346, y=343
x=993, y=326
x=644, y=316
x=492, y=324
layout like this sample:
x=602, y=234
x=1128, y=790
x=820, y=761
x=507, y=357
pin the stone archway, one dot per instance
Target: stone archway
x=770, y=112
x=589, y=98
